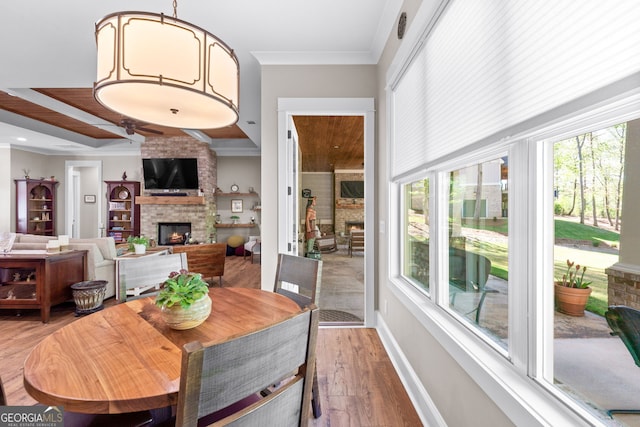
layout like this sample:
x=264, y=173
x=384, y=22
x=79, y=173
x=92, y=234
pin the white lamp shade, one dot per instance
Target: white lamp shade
x=165, y=71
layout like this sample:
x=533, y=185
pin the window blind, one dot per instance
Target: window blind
x=487, y=66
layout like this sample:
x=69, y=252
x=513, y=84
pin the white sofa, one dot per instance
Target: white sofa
x=101, y=254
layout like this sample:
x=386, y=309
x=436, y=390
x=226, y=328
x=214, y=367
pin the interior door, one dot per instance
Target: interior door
x=293, y=177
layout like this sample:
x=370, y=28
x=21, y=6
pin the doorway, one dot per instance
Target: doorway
x=84, y=216
x=287, y=199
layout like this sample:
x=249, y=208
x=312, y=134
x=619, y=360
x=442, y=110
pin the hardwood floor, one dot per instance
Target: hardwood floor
x=358, y=384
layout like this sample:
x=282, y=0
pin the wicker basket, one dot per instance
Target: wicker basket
x=88, y=296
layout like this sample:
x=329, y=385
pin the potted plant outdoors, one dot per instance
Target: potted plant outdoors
x=572, y=292
x=138, y=244
x=234, y=219
x=184, y=300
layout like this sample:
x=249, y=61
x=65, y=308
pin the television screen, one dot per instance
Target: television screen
x=170, y=174
x=352, y=189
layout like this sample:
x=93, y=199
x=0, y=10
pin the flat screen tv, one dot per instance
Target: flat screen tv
x=352, y=189
x=170, y=174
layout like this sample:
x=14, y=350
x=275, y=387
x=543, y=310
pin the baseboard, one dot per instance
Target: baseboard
x=426, y=408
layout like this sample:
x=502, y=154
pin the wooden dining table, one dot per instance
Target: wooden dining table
x=125, y=359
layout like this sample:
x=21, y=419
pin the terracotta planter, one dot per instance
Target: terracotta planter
x=179, y=318
x=571, y=301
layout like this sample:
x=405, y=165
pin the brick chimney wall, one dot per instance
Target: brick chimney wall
x=201, y=217
x=347, y=210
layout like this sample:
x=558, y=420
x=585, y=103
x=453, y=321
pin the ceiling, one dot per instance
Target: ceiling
x=46, y=101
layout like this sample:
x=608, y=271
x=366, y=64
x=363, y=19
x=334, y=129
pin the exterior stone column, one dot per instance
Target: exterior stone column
x=624, y=276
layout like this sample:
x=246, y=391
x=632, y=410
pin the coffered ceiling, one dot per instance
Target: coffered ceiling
x=48, y=57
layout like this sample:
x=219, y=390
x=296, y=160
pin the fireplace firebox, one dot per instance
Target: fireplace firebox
x=173, y=233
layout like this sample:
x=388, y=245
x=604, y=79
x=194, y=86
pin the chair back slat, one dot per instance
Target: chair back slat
x=284, y=411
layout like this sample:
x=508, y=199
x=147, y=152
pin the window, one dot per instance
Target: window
x=456, y=127
x=416, y=234
x=475, y=248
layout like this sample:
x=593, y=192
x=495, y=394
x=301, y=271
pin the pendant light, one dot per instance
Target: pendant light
x=162, y=70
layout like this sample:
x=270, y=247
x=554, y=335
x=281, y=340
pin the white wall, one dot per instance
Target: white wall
x=244, y=172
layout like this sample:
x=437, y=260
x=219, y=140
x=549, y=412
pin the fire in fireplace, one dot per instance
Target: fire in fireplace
x=353, y=225
x=173, y=233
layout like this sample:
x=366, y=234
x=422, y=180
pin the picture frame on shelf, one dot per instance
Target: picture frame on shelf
x=236, y=205
x=89, y=198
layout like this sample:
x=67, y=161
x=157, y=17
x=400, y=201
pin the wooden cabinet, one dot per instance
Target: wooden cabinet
x=123, y=215
x=32, y=281
x=36, y=206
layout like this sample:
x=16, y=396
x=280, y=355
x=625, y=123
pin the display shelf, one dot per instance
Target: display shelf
x=235, y=225
x=123, y=216
x=223, y=194
x=36, y=206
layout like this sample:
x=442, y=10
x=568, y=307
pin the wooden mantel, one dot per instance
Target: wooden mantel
x=170, y=200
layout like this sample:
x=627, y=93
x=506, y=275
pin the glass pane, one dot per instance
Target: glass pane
x=478, y=247
x=416, y=238
x=593, y=260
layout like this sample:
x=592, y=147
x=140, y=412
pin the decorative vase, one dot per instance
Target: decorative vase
x=140, y=249
x=571, y=301
x=180, y=318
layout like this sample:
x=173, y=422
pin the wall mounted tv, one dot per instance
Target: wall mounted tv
x=170, y=174
x=352, y=189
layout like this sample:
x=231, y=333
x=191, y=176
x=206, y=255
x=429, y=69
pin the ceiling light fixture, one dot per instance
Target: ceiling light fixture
x=165, y=71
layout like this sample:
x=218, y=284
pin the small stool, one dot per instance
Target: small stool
x=88, y=296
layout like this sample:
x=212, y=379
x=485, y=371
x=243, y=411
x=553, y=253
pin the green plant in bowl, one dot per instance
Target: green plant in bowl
x=137, y=240
x=182, y=288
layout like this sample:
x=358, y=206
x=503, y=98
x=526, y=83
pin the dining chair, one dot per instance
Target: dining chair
x=216, y=376
x=299, y=279
x=142, y=277
x=74, y=419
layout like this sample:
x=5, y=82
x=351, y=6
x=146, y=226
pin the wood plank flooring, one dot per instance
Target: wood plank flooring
x=358, y=384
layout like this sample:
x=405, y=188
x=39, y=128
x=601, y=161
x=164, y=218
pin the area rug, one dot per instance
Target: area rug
x=338, y=316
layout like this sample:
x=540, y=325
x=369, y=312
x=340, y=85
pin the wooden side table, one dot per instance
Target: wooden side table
x=36, y=279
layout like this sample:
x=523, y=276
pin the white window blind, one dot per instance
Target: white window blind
x=487, y=66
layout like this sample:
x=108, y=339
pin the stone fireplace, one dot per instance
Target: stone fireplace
x=201, y=216
x=349, y=212
x=353, y=225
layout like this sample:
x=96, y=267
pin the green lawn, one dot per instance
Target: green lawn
x=596, y=261
x=576, y=231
